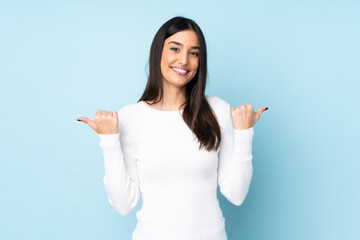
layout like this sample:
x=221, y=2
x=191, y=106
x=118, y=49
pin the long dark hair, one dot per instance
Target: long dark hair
x=197, y=114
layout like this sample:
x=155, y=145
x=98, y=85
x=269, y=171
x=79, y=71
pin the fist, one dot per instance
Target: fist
x=104, y=122
x=244, y=117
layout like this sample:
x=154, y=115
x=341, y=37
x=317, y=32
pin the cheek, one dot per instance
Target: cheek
x=164, y=64
x=195, y=64
x=166, y=61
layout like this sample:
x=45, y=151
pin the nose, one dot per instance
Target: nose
x=183, y=58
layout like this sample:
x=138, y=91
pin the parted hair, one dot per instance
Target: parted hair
x=197, y=114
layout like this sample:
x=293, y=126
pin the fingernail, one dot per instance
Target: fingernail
x=266, y=109
x=78, y=119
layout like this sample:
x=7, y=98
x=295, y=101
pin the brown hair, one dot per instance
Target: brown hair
x=197, y=114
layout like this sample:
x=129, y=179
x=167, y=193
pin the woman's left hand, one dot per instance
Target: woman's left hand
x=244, y=117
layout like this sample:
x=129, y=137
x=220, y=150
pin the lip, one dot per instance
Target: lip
x=180, y=73
x=180, y=68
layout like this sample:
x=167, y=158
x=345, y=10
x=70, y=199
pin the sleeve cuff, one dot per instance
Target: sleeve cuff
x=243, y=139
x=109, y=140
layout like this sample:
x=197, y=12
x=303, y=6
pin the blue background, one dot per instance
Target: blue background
x=62, y=60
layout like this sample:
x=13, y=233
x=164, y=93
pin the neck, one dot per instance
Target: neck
x=173, y=97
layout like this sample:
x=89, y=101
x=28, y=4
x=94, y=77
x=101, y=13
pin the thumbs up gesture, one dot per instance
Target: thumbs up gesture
x=244, y=117
x=104, y=123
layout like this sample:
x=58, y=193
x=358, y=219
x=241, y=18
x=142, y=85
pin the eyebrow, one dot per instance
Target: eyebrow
x=177, y=43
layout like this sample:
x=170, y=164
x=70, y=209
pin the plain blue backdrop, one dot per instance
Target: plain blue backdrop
x=63, y=59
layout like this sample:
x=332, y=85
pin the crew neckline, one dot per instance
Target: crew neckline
x=142, y=103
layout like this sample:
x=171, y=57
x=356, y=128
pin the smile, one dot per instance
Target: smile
x=179, y=71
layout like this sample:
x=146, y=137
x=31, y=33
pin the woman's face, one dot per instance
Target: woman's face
x=180, y=58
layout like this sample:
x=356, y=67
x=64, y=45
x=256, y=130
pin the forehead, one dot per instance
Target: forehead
x=186, y=37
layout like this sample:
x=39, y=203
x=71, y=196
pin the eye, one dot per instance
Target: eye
x=174, y=48
x=195, y=54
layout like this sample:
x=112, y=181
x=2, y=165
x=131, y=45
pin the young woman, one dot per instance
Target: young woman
x=176, y=145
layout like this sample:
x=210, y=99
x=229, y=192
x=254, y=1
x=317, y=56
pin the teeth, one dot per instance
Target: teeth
x=180, y=70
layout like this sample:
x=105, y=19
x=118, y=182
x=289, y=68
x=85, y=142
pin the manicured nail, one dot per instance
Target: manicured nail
x=78, y=119
x=266, y=109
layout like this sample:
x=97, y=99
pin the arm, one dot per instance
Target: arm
x=121, y=178
x=235, y=161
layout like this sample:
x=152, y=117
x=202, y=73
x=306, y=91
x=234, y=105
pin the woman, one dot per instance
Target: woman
x=175, y=144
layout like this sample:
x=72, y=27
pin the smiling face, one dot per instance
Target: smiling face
x=180, y=58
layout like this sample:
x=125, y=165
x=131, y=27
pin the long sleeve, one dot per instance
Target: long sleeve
x=235, y=161
x=121, y=178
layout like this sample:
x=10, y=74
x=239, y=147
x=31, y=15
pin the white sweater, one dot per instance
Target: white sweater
x=156, y=155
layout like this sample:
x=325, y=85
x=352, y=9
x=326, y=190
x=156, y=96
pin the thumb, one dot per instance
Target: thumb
x=260, y=111
x=89, y=122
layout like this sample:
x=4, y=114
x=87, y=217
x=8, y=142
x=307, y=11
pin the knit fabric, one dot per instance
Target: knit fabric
x=155, y=155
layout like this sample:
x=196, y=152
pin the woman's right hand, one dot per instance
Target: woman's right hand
x=104, y=123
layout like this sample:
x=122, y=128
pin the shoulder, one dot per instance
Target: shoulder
x=128, y=109
x=221, y=109
x=217, y=102
x=129, y=122
x=129, y=113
